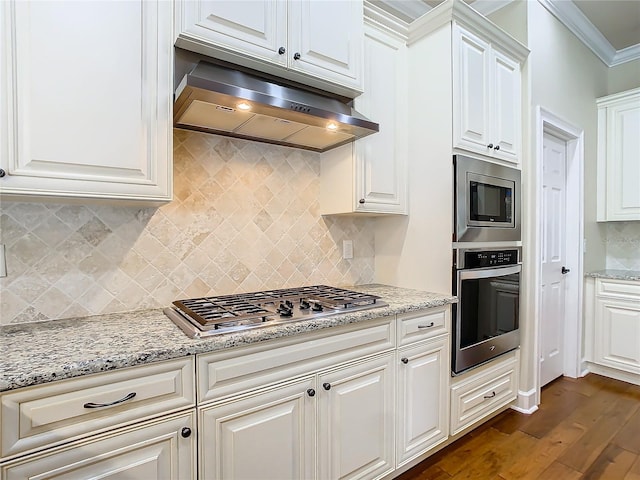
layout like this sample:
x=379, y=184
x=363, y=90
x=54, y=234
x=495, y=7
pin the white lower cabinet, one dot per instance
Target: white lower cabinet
x=612, y=327
x=356, y=420
x=267, y=434
x=337, y=424
x=484, y=390
x=161, y=449
x=423, y=383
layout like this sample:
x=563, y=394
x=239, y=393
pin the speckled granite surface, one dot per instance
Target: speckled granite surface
x=616, y=274
x=37, y=353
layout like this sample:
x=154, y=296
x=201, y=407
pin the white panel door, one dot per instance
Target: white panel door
x=269, y=435
x=356, y=420
x=254, y=27
x=423, y=373
x=505, y=103
x=552, y=288
x=159, y=450
x=471, y=91
x=380, y=158
x=88, y=98
x=328, y=38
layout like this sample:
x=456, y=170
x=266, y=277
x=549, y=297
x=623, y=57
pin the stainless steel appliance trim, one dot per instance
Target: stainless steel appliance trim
x=491, y=232
x=479, y=353
x=488, y=180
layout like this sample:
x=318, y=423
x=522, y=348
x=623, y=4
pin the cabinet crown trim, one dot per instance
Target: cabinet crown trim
x=615, y=97
x=461, y=13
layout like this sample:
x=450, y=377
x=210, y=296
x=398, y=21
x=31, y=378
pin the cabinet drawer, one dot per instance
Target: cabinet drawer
x=618, y=289
x=477, y=395
x=57, y=412
x=237, y=370
x=424, y=324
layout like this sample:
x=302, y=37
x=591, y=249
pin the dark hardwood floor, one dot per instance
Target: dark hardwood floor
x=587, y=428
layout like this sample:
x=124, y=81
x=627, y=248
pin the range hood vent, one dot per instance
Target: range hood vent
x=220, y=100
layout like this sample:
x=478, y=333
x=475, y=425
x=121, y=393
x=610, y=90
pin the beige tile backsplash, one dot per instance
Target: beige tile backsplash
x=244, y=217
x=623, y=245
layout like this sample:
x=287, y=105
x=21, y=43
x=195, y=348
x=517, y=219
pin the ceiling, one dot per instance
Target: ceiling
x=611, y=28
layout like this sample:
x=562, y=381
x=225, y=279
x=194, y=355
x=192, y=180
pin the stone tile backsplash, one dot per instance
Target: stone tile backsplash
x=623, y=245
x=244, y=217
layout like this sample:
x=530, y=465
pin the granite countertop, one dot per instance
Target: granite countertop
x=39, y=353
x=616, y=274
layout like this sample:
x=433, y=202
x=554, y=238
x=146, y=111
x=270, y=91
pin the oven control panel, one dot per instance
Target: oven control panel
x=490, y=258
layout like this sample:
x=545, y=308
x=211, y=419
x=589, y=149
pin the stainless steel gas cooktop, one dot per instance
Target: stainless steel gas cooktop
x=206, y=316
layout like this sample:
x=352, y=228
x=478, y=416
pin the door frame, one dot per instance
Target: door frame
x=548, y=122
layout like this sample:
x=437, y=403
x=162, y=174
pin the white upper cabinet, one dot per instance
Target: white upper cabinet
x=314, y=42
x=370, y=177
x=86, y=96
x=618, y=154
x=486, y=98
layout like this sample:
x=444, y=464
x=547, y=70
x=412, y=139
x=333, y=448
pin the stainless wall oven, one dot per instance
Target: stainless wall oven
x=486, y=201
x=486, y=317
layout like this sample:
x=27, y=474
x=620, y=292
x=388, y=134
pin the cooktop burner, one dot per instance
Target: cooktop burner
x=201, y=317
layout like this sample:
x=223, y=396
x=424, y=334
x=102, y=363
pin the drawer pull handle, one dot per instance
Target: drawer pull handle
x=493, y=394
x=426, y=326
x=100, y=405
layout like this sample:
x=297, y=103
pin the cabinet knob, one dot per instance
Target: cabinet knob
x=185, y=432
x=404, y=360
x=311, y=392
x=2, y=173
x=296, y=56
x=497, y=147
x=326, y=386
x=361, y=201
x=490, y=145
x=281, y=51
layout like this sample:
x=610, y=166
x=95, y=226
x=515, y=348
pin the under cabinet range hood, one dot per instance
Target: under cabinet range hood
x=215, y=99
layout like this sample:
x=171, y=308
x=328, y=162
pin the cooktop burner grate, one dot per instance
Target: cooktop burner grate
x=211, y=315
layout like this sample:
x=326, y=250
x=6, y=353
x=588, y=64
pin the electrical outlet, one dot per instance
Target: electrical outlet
x=3, y=262
x=347, y=249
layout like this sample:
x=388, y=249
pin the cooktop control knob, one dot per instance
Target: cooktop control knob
x=304, y=305
x=289, y=304
x=317, y=307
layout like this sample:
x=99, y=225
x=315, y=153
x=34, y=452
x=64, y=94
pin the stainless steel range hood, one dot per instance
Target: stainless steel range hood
x=216, y=99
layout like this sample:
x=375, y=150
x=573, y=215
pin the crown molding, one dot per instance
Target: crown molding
x=376, y=16
x=487, y=7
x=576, y=21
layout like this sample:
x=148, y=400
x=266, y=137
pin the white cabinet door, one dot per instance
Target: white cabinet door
x=252, y=27
x=471, y=92
x=370, y=177
x=328, y=38
x=314, y=42
x=164, y=449
x=423, y=375
x=617, y=333
x=356, y=420
x=267, y=435
x=506, y=107
x=486, y=98
x=618, y=153
x=86, y=95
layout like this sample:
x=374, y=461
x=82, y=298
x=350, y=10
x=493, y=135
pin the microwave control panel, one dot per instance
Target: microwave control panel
x=490, y=258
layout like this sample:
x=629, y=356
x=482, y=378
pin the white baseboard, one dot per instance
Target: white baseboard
x=526, y=402
x=615, y=373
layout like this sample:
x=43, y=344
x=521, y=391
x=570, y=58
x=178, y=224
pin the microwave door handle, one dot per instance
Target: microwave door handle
x=489, y=272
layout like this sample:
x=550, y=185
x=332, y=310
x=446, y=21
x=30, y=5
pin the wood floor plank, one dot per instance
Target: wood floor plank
x=556, y=409
x=510, y=421
x=459, y=458
x=557, y=471
x=613, y=462
x=634, y=472
x=629, y=436
x=544, y=453
x=584, y=452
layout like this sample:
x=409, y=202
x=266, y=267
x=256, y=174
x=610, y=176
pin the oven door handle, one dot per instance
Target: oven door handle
x=488, y=272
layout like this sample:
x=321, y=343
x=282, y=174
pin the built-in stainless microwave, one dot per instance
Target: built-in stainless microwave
x=487, y=201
